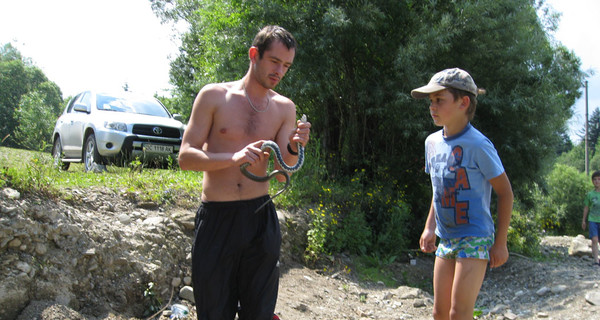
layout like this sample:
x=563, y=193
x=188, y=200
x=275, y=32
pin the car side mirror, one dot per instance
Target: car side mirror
x=81, y=107
x=178, y=117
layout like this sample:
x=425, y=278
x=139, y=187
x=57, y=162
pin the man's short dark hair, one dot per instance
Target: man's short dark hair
x=595, y=174
x=269, y=34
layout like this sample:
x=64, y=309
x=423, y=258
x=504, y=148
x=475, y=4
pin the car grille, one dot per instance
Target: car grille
x=148, y=130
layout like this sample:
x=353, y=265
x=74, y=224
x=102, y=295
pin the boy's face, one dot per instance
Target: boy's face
x=596, y=182
x=444, y=110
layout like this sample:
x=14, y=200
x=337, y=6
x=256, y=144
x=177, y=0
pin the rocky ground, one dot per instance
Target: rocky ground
x=93, y=256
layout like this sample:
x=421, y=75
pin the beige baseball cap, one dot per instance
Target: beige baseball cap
x=454, y=78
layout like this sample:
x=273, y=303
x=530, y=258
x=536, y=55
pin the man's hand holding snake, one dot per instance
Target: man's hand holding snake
x=301, y=134
x=251, y=153
x=299, y=137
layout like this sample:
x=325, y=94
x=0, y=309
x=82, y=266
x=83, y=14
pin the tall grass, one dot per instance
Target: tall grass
x=30, y=171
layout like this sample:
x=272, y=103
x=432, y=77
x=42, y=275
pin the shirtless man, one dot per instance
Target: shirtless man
x=236, y=251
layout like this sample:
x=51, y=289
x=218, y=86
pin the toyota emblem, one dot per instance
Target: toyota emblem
x=157, y=130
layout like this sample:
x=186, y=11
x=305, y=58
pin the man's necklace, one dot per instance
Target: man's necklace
x=252, y=104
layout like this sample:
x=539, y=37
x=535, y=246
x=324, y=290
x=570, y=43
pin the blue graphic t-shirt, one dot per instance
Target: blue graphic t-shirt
x=460, y=168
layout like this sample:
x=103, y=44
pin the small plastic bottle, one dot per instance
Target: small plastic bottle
x=179, y=311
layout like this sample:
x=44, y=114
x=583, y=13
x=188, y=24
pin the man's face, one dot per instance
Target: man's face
x=276, y=61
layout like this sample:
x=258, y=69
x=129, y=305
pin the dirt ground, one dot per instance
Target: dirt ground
x=93, y=257
x=555, y=287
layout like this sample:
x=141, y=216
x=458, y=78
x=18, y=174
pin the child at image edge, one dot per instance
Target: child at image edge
x=464, y=167
x=592, y=206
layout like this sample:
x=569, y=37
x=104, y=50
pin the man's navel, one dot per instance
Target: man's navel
x=223, y=130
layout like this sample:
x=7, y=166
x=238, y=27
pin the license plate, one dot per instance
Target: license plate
x=157, y=148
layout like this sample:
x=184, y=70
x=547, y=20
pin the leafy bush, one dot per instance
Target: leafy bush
x=567, y=187
x=36, y=122
x=559, y=203
x=358, y=217
x=574, y=158
x=524, y=234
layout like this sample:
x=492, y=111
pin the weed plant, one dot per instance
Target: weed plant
x=355, y=216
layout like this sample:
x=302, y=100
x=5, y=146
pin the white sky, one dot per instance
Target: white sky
x=103, y=44
x=578, y=26
x=92, y=44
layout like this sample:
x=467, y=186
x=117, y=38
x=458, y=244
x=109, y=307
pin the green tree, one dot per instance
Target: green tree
x=358, y=60
x=561, y=208
x=574, y=158
x=593, y=131
x=18, y=77
x=565, y=144
x=35, y=121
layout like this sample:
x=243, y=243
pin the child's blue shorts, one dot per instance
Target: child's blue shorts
x=467, y=247
x=594, y=228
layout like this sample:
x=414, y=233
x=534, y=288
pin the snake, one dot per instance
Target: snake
x=286, y=169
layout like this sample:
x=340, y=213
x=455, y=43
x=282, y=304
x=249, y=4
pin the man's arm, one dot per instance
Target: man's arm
x=503, y=189
x=292, y=132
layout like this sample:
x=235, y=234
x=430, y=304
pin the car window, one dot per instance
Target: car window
x=131, y=105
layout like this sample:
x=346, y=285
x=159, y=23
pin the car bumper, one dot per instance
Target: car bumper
x=113, y=144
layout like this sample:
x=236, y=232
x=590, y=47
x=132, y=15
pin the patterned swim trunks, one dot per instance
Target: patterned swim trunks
x=467, y=247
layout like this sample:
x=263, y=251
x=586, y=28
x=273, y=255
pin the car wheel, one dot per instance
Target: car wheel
x=57, y=154
x=91, y=157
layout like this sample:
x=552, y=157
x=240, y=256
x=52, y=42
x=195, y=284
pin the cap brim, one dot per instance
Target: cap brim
x=424, y=91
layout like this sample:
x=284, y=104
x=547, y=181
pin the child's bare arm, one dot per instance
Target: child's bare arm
x=428, y=237
x=586, y=210
x=499, y=251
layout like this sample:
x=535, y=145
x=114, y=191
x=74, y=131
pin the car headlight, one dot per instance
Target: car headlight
x=118, y=126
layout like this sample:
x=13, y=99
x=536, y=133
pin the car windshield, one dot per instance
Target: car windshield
x=131, y=105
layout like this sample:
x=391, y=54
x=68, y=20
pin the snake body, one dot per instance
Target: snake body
x=279, y=158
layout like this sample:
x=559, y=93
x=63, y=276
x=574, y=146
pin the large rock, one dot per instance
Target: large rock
x=593, y=298
x=14, y=295
x=580, y=246
x=78, y=257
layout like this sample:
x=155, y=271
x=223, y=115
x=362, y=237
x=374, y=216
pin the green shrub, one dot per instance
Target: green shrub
x=524, y=234
x=574, y=158
x=35, y=122
x=359, y=216
x=563, y=205
x=351, y=234
x=317, y=234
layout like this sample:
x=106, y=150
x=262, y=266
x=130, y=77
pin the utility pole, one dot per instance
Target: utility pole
x=587, y=160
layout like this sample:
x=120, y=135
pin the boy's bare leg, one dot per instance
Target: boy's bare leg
x=443, y=276
x=595, y=249
x=468, y=278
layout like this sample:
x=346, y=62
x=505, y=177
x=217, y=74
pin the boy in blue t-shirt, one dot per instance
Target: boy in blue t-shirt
x=592, y=207
x=464, y=168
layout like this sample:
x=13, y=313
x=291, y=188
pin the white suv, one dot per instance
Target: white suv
x=99, y=128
